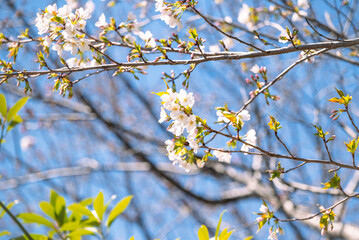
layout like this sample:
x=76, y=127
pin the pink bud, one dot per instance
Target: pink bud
x=248, y=81
x=252, y=94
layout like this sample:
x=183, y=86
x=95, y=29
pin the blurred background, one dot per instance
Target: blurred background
x=107, y=137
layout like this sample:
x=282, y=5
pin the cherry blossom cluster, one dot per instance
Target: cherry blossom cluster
x=128, y=29
x=179, y=105
x=265, y=216
x=64, y=29
x=237, y=121
x=168, y=14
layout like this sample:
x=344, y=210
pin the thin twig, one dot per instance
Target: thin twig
x=16, y=221
x=276, y=134
x=224, y=33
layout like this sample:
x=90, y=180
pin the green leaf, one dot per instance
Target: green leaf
x=48, y=209
x=70, y=226
x=86, y=201
x=33, y=236
x=9, y=206
x=352, y=145
x=15, y=121
x=118, y=209
x=16, y=108
x=35, y=218
x=5, y=232
x=248, y=238
x=98, y=205
x=219, y=225
x=274, y=124
x=230, y=117
x=203, y=233
x=3, y=107
x=53, y=197
x=333, y=183
x=223, y=234
x=81, y=232
x=227, y=235
x=76, y=207
x=60, y=210
x=340, y=92
x=159, y=93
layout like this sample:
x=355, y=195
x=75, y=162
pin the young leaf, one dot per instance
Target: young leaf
x=352, y=145
x=81, y=232
x=274, y=124
x=248, y=238
x=333, y=183
x=16, y=108
x=3, y=107
x=48, y=209
x=203, y=233
x=118, y=209
x=9, y=206
x=226, y=236
x=70, y=226
x=86, y=202
x=15, y=121
x=35, y=218
x=218, y=225
x=98, y=205
x=3, y=233
x=223, y=234
x=80, y=209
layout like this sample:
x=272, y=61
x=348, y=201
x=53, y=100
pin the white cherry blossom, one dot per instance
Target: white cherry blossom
x=83, y=13
x=163, y=115
x=297, y=17
x=263, y=209
x=147, y=36
x=176, y=128
x=255, y=69
x=273, y=235
x=221, y=117
x=244, y=116
x=222, y=156
x=303, y=4
x=244, y=16
x=71, y=46
x=186, y=100
x=42, y=24
x=101, y=23
x=51, y=11
x=250, y=138
x=47, y=41
x=72, y=62
x=83, y=45
x=64, y=11
x=58, y=49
